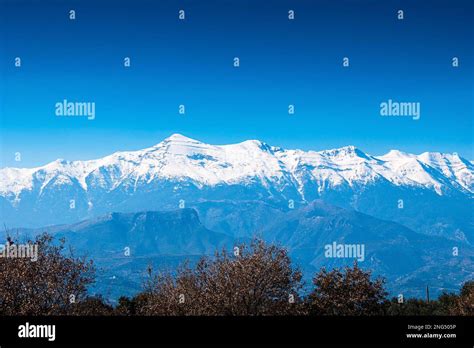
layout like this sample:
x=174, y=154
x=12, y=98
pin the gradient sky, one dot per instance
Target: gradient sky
x=190, y=62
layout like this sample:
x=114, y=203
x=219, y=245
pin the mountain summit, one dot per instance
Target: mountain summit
x=179, y=138
x=181, y=158
x=183, y=169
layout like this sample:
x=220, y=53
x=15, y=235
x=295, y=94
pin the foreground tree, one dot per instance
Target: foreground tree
x=92, y=306
x=445, y=304
x=413, y=306
x=254, y=280
x=350, y=291
x=465, y=301
x=133, y=306
x=51, y=285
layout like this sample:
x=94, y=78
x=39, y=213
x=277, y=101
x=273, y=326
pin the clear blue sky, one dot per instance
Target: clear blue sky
x=282, y=62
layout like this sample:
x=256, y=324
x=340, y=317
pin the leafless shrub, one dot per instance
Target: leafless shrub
x=259, y=281
x=48, y=286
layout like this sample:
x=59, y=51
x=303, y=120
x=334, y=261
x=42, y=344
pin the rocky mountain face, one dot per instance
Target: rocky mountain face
x=403, y=215
x=430, y=193
x=124, y=245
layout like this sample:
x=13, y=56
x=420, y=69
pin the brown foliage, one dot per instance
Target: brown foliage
x=346, y=292
x=445, y=304
x=92, y=306
x=44, y=286
x=259, y=281
x=465, y=300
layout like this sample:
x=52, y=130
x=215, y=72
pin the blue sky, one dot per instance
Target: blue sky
x=191, y=62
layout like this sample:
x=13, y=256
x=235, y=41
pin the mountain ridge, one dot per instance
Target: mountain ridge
x=168, y=239
x=430, y=193
x=450, y=170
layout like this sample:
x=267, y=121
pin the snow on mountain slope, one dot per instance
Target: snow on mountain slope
x=451, y=166
x=179, y=158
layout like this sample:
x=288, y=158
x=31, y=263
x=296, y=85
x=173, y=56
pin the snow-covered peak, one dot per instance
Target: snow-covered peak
x=452, y=166
x=179, y=158
x=253, y=146
x=345, y=153
x=179, y=138
x=438, y=158
x=396, y=154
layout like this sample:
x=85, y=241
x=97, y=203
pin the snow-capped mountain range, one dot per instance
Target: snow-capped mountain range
x=179, y=158
x=180, y=170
